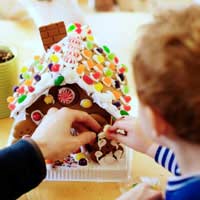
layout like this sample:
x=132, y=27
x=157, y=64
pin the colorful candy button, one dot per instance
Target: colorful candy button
x=124, y=113
x=127, y=99
x=49, y=99
x=86, y=103
x=127, y=108
x=54, y=58
x=96, y=75
x=87, y=79
x=28, y=82
x=112, y=66
x=117, y=94
x=37, y=57
x=117, y=84
x=31, y=89
x=37, y=77
x=111, y=56
x=15, y=88
x=106, y=49
x=90, y=64
x=26, y=75
x=21, y=90
x=99, y=59
x=90, y=38
x=10, y=99
x=99, y=50
x=125, y=89
x=57, y=48
x=50, y=66
x=98, y=87
x=55, y=68
x=80, y=69
x=108, y=72
x=58, y=81
x=107, y=81
x=99, y=67
x=71, y=28
x=116, y=59
x=24, y=69
x=36, y=116
x=39, y=67
x=87, y=53
x=89, y=45
x=117, y=104
x=21, y=98
x=11, y=106
x=66, y=95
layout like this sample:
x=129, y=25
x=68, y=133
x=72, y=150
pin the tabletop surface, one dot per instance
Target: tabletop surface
x=119, y=31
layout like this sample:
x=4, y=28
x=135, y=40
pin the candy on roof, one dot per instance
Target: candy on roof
x=77, y=58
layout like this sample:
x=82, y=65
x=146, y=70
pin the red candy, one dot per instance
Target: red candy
x=89, y=32
x=127, y=99
x=56, y=48
x=66, y=95
x=127, y=108
x=78, y=30
x=96, y=75
x=78, y=25
x=21, y=90
x=116, y=59
x=122, y=70
x=36, y=116
x=11, y=106
x=88, y=80
x=31, y=89
x=55, y=68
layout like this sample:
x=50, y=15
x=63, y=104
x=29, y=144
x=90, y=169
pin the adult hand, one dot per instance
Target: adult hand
x=53, y=135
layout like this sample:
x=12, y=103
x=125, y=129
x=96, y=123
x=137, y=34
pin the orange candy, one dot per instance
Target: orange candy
x=36, y=57
x=80, y=69
x=28, y=82
x=87, y=53
x=107, y=81
x=117, y=94
x=112, y=66
x=10, y=99
x=100, y=67
x=90, y=64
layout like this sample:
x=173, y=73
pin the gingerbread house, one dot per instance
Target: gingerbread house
x=77, y=73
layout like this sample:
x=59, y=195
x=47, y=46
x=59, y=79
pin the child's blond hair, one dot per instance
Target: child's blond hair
x=167, y=70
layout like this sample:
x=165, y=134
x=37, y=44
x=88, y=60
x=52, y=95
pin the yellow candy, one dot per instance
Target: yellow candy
x=86, y=103
x=80, y=69
x=10, y=99
x=100, y=59
x=49, y=99
x=54, y=58
x=79, y=156
x=28, y=82
x=24, y=69
x=98, y=87
x=37, y=58
x=90, y=38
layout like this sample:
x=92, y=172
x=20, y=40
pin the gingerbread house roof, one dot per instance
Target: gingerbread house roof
x=77, y=58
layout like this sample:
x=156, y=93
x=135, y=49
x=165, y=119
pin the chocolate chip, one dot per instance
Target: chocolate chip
x=99, y=49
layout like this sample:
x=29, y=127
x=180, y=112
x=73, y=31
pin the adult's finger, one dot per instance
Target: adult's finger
x=79, y=127
x=52, y=111
x=85, y=138
x=118, y=137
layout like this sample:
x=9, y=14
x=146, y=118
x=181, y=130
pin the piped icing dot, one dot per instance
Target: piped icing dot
x=66, y=95
x=49, y=99
x=106, y=49
x=107, y=81
x=21, y=98
x=10, y=99
x=125, y=89
x=37, y=77
x=58, y=81
x=11, y=106
x=54, y=58
x=80, y=69
x=55, y=68
x=123, y=112
x=86, y=103
x=87, y=79
x=31, y=89
x=98, y=87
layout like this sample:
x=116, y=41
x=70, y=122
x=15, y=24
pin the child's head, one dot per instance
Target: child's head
x=167, y=71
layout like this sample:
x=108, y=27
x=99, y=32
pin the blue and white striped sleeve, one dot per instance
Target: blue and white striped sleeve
x=166, y=158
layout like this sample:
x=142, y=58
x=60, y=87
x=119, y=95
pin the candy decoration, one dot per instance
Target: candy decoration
x=112, y=66
x=117, y=104
x=21, y=90
x=48, y=161
x=39, y=67
x=36, y=58
x=125, y=89
x=122, y=70
x=111, y=56
x=78, y=30
x=71, y=28
x=86, y=103
x=24, y=69
x=116, y=59
x=99, y=50
x=78, y=25
x=49, y=99
x=79, y=156
x=106, y=49
x=11, y=106
x=21, y=98
x=66, y=95
x=122, y=77
x=57, y=48
x=89, y=45
x=80, y=69
x=90, y=38
x=98, y=87
x=127, y=99
x=127, y=108
x=37, y=77
x=87, y=53
x=96, y=75
x=117, y=94
x=107, y=81
x=54, y=58
x=50, y=66
x=58, y=81
x=100, y=59
x=82, y=162
x=55, y=68
x=31, y=89
x=36, y=116
x=28, y=82
x=21, y=76
x=124, y=113
x=26, y=75
x=116, y=84
x=15, y=88
x=10, y=99
x=99, y=67
x=108, y=72
x=87, y=79
x=90, y=64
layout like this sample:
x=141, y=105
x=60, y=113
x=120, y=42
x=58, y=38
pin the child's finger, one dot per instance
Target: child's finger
x=117, y=137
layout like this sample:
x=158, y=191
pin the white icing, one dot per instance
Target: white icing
x=118, y=154
x=108, y=159
x=101, y=143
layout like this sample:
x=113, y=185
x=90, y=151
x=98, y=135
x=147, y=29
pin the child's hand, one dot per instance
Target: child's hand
x=141, y=192
x=135, y=137
x=53, y=134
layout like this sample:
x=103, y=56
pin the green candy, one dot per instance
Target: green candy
x=108, y=72
x=106, y=49
x=71, y=28
x=89, y=45
x=21, y=98
x=26, y=76
x=59, y=80
x=125, y=89
x=123, y=113
x=40, y=67
x=111, y=56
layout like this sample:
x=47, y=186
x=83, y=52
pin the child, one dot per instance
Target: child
x=167, y=75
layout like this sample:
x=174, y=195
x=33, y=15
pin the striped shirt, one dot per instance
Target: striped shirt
x=178, y=187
